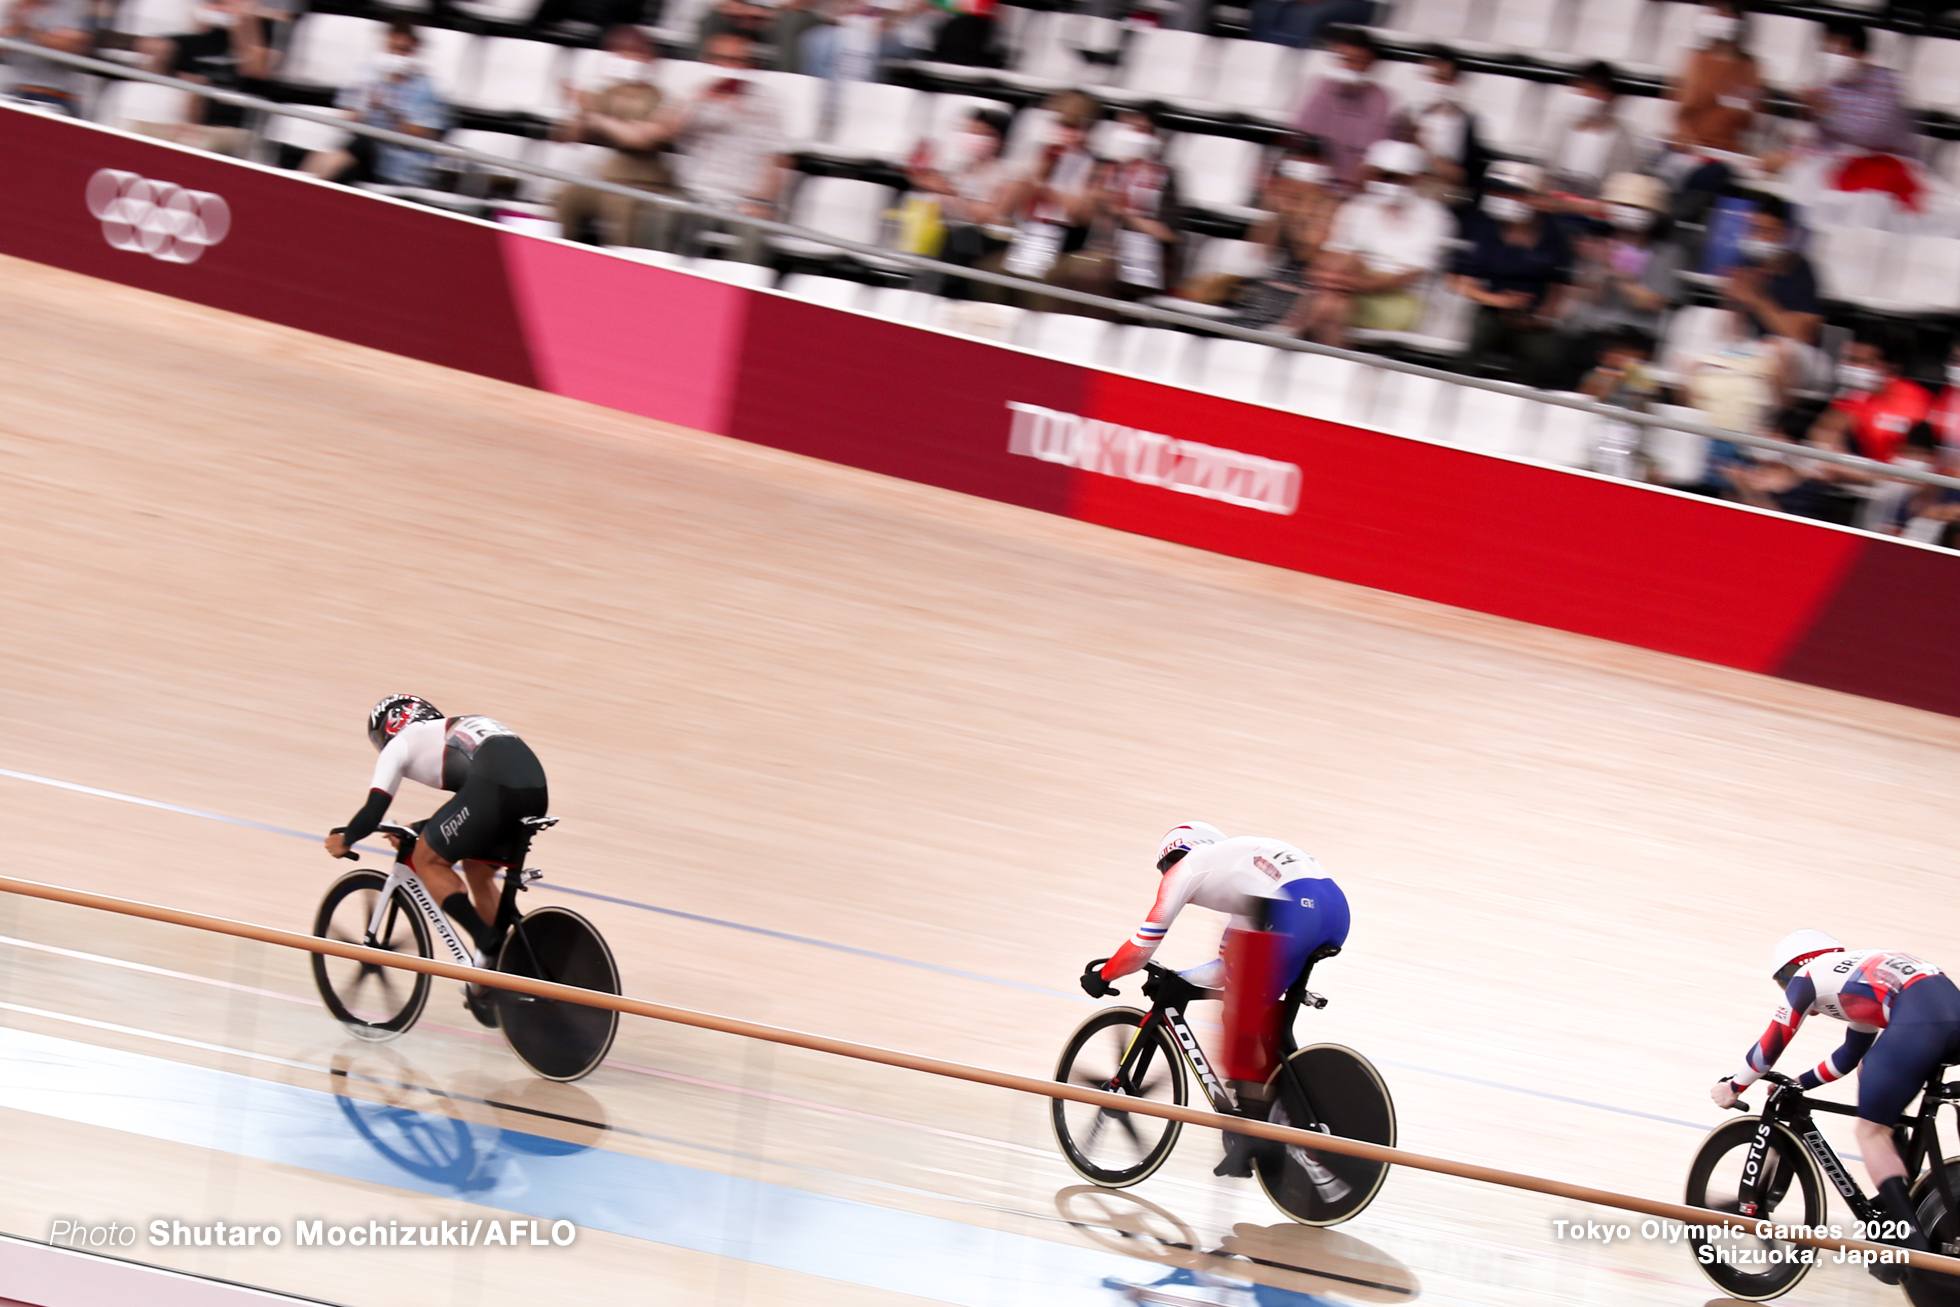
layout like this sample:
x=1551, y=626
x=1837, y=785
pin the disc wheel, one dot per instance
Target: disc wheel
x=372, y=1001
x=1741, y=1264
x=1942, y=1229
x=1336, y=1091
x=1106, y=1146
x=557, y=1039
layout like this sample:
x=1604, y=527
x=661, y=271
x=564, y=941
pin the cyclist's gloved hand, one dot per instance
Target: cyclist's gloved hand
x=1169, y=989
x=1724, y=1092
x=1093, y=983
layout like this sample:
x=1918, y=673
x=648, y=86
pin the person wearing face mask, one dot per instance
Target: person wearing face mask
x=1347, y=111
x=1132, y=242
x=225, y=47
x=1299, y=201
x=1773, y=289
x=1857, y=105
x=1719, y=88
x=1514, y=269
x=393, y=92
x=67, y=26
x=1588, y=143
x=729, y=143
x=1051, y=198
x=1624, y=276
x=1385, y=241
x=1437, y=119
x=620, y=108
x=965, y=176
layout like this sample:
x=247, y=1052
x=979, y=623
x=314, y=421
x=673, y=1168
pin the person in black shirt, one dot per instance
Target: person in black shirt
x=1515, y=271
x=1773, y=289
x=225, y=46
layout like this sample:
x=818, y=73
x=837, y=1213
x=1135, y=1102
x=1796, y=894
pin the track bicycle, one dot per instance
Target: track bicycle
x=1324, y=1087
x=1771, y=1166
x=396, y=912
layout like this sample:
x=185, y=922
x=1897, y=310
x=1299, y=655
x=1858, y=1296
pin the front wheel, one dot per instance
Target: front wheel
x=1335, y=1091
x=372, y=1001
x=1113, y=1050
x=1791, y=1192
x=557, y=1039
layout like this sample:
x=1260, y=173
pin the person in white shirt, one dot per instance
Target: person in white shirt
x=1588, y=142
x=1384, y=242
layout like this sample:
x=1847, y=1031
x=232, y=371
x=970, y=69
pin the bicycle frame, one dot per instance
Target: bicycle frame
x=1789, y=1105
x=404, y=877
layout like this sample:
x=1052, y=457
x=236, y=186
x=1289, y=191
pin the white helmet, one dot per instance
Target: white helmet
x=1182, y=839
x=1797, y=948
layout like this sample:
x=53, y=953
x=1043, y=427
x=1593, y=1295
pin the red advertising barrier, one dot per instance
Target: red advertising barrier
x=1624, y=562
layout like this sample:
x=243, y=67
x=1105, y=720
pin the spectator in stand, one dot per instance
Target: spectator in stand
x=1944, y=416
x=1625, y=277
x=1348, y=109
x=1300, y=23
x=1875, y=410
x=1588, y=142
x=1858, y=105
x=1132, y=243
x=1299, y=199
x=1437, y=119
x=730, y=141
x=858, y=44
x=225, y=47
x=969, y=36
x=67, y=26
x=966, y=177
x=620, y=109
x=1718, y=90
x=750, y=18
x=1515, y=271
x=1051, y=198
x=1774, y=290
x=1385, y=242
x=393, y=92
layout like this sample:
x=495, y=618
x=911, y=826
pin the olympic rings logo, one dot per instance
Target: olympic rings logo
x=160, y=219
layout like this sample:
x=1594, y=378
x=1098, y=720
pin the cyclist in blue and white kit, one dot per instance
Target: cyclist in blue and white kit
x=1263, y=885
x=495, y=780
x=1904, y=1016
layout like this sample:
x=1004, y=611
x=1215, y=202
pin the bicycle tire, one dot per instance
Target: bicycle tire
x=1942, y=1230
x=1091, y=1058
x=1344, y=1096
x=363, y=996
x=1789, y=1166
x=557, y=1039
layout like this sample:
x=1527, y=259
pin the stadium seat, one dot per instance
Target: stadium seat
x=1918, y=274
x=1240, y=369
x=566, y=156
x=833, y=291
x=658, y=258
x=329, y=49
x=1565, y=435
x=1001, y=323
x=1257, y=77
x=802, y=101
x=873, y=120
x=124, y=103
x=680, y=21
x=1532, y=26
x=1162, y=64
x=512, y=76
x=759, y=276
x=1934, y=80
x=1215, y=172
x=1157, y=353
x=944, y=113
x=1407, y=405
x=498, y=11
x=1852, y=262
x=1606, y=29
x=1511, y=109
x=1492, y=423
x=1433, y=20
x=154, y=18
x=1785, y=48
x=1325, y=387
x=682, y=79
x=1680, y=457
x=447, y=55
x=837, y=206
x=898, y=304
x=1067, y=336
x=515, y=149
x=1672, y=36
x=304, y=134
x=1025, y=133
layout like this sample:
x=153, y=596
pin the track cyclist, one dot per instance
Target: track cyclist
x=1904, y=1015
x=1283, y=908
x=495, y=782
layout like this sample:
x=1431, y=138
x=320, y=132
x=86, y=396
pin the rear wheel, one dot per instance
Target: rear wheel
x=557, y=1039
x=372, y=1001
x=1792, y=1193
x=1335, y=1091
x=1942, y=1230
x=1109, y=1147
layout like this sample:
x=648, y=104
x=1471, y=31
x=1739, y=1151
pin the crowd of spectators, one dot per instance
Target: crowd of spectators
x=1573, y=268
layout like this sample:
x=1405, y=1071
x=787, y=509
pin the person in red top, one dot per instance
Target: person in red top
x=1944, y=416
x=1876, y=408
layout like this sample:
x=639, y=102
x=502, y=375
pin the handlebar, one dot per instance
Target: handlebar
x=385, y=828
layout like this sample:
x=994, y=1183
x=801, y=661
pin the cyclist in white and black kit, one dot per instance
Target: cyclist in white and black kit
x=496, y=782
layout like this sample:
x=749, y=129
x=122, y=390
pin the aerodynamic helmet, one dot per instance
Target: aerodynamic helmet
x=1182, y=839
x=1797, y=948
x=395, y=712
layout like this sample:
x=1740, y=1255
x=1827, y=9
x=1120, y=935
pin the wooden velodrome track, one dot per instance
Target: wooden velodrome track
x=885, y=718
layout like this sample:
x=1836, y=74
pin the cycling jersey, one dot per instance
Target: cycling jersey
x=495, y=777
x=1224, y=877
x=435, y=753
x=1858, y=988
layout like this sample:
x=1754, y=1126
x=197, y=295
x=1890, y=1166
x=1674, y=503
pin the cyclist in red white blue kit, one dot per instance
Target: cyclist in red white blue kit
x=495, y=782
x=1904, y=1015
x=1283, y=907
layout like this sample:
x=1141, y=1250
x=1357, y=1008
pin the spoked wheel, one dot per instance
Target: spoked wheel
x=1742, y=1265
x=1109, y=1147
x=556, y=1039
x=372, y=1001
x=1942, y=1229
x=1336, y=1091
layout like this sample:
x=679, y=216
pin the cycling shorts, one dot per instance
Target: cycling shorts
x=1921, y=1032
x=484, y=820
x=1306, y=914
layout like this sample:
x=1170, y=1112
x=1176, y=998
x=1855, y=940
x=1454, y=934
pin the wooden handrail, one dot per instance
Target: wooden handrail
x=938, y=1067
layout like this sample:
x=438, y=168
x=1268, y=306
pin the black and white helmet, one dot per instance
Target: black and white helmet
x=395, y=712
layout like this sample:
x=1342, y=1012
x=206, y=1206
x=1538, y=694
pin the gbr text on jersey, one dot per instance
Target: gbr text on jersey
x=1186, y=466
